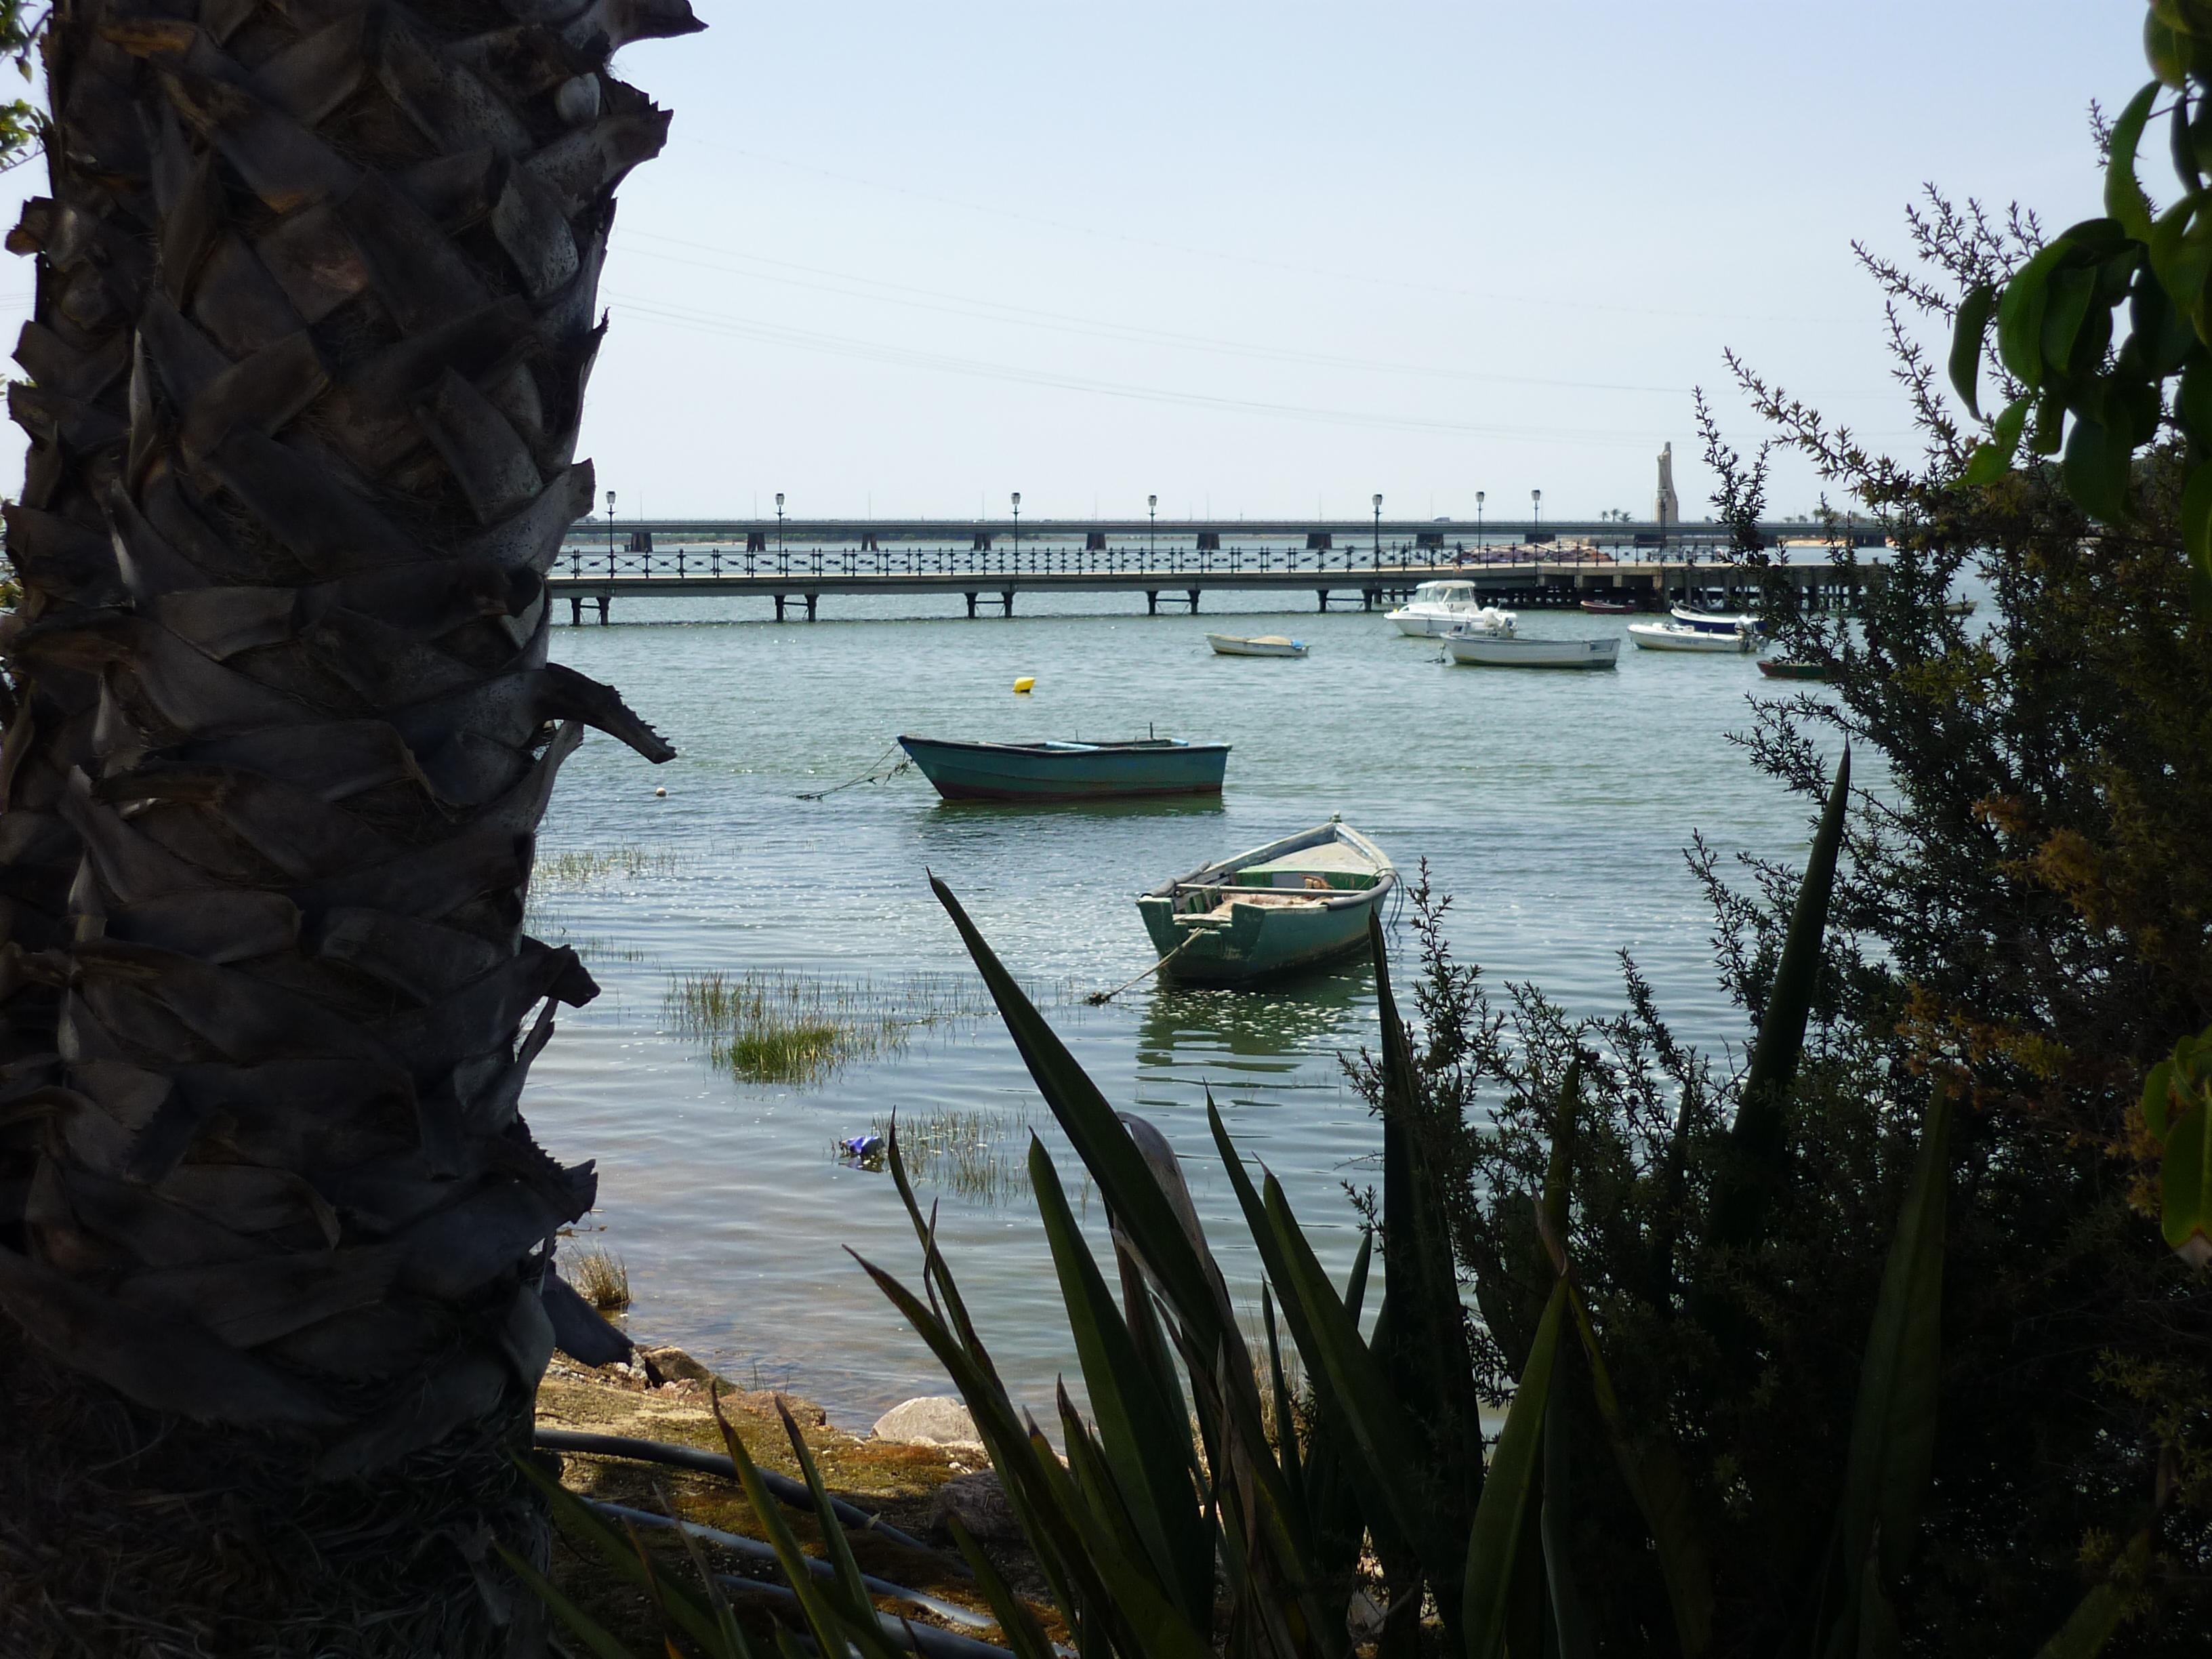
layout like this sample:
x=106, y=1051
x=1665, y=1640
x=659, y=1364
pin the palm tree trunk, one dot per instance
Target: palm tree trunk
x=316, y=308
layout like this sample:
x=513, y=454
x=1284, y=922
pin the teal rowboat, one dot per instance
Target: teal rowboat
x=1293, y=903
x=1069, y=771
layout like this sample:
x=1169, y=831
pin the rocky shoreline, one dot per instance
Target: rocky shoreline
x=918, y=1464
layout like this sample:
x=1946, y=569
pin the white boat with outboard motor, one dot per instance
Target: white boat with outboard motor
x=1505, y=649
x=1435, y=609
x=1680, y=636
x=1717, y=622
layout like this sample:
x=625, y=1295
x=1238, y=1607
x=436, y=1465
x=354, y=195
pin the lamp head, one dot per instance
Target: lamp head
x=778, y=498
x=1018, y=501
x=1481, y=497
x=1151, y=501
x=610, y=501
x=1378, y=503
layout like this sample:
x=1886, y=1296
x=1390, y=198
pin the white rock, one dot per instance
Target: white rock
x=934, y=1421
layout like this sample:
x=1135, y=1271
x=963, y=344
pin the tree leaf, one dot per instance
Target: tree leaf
x=2123, y=192
x=2096, y=470
x=1972, y=322
x=1508, y=1492
x=1992, y=458
x=2019, y=315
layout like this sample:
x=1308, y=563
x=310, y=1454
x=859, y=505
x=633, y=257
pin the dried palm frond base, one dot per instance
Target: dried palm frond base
x=124, y=1536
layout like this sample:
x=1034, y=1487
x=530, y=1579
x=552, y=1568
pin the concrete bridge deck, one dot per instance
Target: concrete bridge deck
x=1527, y=576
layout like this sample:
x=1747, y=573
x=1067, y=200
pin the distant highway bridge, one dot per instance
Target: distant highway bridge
x=988, y=563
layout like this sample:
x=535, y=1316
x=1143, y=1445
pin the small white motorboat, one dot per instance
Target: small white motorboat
x=1680, y=636
x=1715, y=621
x=1507, y=651
x=1437, y=608
x=1263, y=645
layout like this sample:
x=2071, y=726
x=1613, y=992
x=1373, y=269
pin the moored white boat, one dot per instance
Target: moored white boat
x=1509, y=651
x=1437, y=608
x=1680, y=636
x=1717, y=622
x=1260, y=645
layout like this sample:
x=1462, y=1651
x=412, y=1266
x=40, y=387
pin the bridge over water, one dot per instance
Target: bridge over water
x=989, y=563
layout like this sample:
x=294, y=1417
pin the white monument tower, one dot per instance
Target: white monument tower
x=1666, y=506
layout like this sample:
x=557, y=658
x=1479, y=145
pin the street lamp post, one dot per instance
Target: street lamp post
x=1378, y=529
x=779, y=523
x=1536, y=509
x=1152, y=512
x=1018, y=530
x=1480, y=496
x=611, y=532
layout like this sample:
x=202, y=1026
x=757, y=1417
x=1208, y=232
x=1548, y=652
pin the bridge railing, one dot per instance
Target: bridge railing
x=1344, y=565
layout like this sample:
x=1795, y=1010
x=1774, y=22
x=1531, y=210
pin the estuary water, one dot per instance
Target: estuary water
x=1554, y=806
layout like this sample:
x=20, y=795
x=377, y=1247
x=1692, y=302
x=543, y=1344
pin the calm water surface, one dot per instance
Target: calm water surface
x=1555, y=806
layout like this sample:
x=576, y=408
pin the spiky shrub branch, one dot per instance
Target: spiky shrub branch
x=316, y=308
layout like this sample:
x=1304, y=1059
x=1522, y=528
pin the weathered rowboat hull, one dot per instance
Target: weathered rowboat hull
x=1061, y=771
x=1264, y=645
x=1259, y=932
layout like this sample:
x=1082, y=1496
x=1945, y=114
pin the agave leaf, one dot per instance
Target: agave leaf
x=1134, y=1600
x=731, y=1640
x=2091, y=1624
x=1141, y=1441
x=1755, y=1137
x=837, y=1547
x=842, y=1614
x=1016, y=1622
x=1139, y=1207
x=586, y=1629
x=1509, y=1493
x=1656, y=1478
x=1382, y=1450
x=1052, y=1534
x=1570, y=1623
x=1286, y=1422
x=576, y=1518
x=1425, y=1350
x=1892, y=1442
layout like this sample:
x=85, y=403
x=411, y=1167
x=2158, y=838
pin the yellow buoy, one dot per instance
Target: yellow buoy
x=1025, y=682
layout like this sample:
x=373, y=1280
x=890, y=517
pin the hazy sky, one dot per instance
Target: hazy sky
x=1272, y=259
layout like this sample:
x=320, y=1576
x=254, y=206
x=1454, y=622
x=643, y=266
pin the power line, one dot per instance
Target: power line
x=1488, y=295
x=648, y=309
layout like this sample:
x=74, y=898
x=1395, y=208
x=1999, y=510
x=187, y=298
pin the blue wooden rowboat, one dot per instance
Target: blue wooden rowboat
x=1293, y=903
x=1069, y=771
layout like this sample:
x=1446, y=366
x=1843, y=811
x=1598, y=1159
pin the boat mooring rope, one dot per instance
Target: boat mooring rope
x=875, y=774
x=1098, y=997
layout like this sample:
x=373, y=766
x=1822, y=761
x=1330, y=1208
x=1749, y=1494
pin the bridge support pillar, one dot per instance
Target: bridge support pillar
x=971, y=604
x=1322, y=593
x=1367, y=598
x=778, y=607
x=1152, y=602
x=1007, y=601
x=1193, y=599
x=605, y=599
x=810, y=599
x=576, y=610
